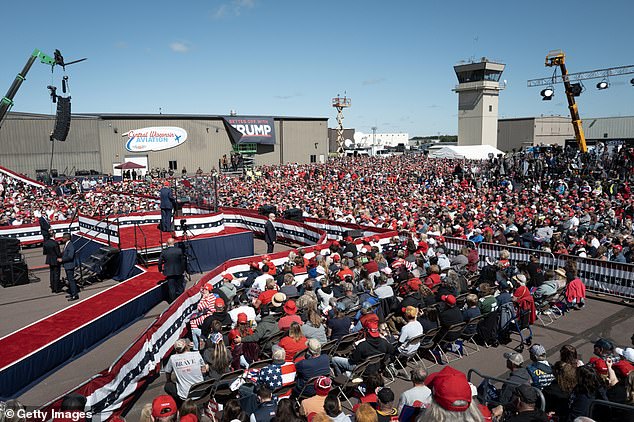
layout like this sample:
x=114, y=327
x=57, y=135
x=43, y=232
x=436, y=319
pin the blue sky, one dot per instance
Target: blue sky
x=290, y=57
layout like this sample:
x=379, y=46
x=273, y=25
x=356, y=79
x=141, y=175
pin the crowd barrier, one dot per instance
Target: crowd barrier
x=30, y=234
x=605, y=277
x=517, y=255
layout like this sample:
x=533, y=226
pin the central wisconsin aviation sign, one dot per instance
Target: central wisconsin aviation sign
x=154, y=138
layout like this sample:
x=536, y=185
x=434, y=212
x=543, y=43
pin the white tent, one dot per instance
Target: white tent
x=469, y=152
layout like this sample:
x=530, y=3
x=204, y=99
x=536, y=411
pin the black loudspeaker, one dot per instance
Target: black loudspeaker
x=294, y=214
x=62, y=119
x=353, y=234
x=14, y=274
x=9, y=245
x=9, y=250
x=267, y=209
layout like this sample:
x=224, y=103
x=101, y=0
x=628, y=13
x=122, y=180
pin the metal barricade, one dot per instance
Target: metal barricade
x=601, y=410
x=517, y=255
x=455, y=244
x=612, y=278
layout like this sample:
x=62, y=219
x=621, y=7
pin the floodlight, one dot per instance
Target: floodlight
x=603, y=85
x=547, y=93
x=576, y=89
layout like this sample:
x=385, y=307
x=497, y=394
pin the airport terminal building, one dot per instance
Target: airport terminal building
x=100, y=142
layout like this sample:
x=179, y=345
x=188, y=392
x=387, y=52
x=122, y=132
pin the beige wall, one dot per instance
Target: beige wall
x=553, y=130
x=203, y=147
x=25, y=145
x=513, y=133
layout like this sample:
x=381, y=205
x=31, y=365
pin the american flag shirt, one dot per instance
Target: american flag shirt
x=276, y=376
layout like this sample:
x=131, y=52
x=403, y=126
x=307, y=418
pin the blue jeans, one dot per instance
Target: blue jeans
x=342, y=364
x=196, y=333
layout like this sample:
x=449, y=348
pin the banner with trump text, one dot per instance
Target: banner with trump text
x=256, y=130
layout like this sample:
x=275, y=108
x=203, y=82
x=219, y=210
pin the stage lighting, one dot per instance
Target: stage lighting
x=603, y=85
x=547, y=93
x=576, y=89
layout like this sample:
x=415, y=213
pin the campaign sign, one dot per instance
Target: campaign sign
x=154, y=138
x=257, y=130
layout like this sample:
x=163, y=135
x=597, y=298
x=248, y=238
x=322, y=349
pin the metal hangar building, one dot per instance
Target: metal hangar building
x=98, y=142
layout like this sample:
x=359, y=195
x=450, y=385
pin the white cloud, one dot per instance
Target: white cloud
x=179, y=47
x=232, y=8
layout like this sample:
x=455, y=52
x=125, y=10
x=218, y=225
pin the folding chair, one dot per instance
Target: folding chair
x=329, y=347
x=223, y=393
x=469, y=332
x=427, y=344
x=309, y=382
x=345, y=345
x=402, y=359
x=261, y=364
x=300, y=354
x=274, y=339
x=461, y=300
x=544, y=313
x=201, y=392
x=443, y=341
x=344, y=382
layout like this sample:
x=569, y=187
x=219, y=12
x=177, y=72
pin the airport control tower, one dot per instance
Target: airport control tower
x=478, y=90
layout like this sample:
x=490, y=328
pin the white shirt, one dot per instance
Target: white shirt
x=260, y=282
x=242, y=310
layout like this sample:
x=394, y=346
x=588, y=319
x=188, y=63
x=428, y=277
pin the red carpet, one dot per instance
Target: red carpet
x=29, y=339
x=154, y=237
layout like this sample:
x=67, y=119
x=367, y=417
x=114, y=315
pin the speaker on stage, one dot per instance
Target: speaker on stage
x=62, y=120
x=294, y=214
x=267, y=209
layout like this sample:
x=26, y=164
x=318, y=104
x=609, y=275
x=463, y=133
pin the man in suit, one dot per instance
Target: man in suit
x=67, y=261
x=45, y=225
x=270, y=235
x=52, y=252
x=167, y=206
x=172, y=265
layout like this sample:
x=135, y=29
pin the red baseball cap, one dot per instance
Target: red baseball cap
x=242, y=318
x=220, y=303
x=227, y=276
x=450, y=389
x=372, y=328
x=233, y=334
x=164, y=406
x=190, y=417
x=450, y=299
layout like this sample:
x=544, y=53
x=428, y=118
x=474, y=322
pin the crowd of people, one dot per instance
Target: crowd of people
x=380, y=299
x=370, y=299
x=550, y=200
